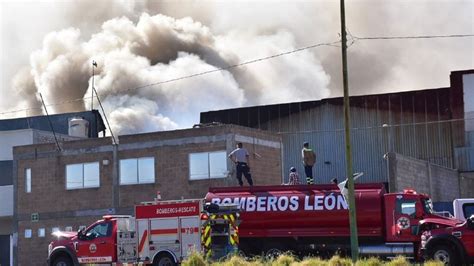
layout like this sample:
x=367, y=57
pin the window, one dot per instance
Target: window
x=27, y=233
x=68, y=229
x=28, y=180
x=468, y=210
x=407, y=207
x=41, y=232
x=99, y=230
x=206, y=165
x=55, y=229
x=137, y=171
x=427, y=206
x=83, y=175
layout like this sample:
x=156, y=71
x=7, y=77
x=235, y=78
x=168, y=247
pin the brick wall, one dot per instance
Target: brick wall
x=441, y=183
x=34, y=251
x=58, y=207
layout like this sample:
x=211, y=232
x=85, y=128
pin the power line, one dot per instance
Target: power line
x=413, y=37
x=192, y=75
x=51, y=104
x=426, y=123
x=236, y=65
x=332, y=44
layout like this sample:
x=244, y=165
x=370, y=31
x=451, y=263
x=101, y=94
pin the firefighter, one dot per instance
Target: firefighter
x=293, y=178
x=240, y=157
x=309, y=159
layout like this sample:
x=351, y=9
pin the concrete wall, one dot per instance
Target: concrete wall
x=442, y=184
x=11, y=138
x=6, y=201
x=467, y=185
x=58, y=207
x=8, y=139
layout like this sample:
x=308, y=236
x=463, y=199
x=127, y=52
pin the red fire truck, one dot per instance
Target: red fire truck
x=305, y=219
x=451, y=245
x=161, y=233
x=313, y=219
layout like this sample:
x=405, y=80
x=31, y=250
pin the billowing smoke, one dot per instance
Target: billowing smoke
x=140, y=43
x=159, y=48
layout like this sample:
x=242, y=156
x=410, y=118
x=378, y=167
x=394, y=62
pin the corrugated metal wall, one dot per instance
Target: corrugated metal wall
x=417, y=124
x=416, y=133
x=465, y=155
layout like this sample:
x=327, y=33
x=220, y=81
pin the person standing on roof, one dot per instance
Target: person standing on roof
x=294, y=178
x=309, y=159
x=240, y=157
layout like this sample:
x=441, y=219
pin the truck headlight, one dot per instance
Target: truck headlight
x=50, y=249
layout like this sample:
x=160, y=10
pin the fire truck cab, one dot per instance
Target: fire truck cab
x=161, y=233
x=451, y=245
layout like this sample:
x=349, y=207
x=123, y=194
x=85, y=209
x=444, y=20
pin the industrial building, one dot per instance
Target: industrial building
x=419, y=139
x=432, y=128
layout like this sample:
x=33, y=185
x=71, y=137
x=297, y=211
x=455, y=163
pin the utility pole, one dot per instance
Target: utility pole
x=350, y=178
x=94, y=64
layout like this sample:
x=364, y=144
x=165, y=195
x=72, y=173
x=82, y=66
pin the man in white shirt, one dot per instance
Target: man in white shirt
x=240, y=157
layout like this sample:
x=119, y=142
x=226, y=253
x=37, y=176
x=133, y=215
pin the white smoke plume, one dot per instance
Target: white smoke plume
x=136, y=43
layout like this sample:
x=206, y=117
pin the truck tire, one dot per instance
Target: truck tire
x=164, y=259
x=444, y=254
x=273, y=253
x=62, y=261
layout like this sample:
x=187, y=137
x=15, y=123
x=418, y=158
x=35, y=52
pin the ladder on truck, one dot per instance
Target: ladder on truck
x=220, y=228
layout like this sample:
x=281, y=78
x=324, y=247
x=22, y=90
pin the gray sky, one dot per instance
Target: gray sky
x=47, y=46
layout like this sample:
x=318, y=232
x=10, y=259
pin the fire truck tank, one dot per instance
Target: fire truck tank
x=303, y=210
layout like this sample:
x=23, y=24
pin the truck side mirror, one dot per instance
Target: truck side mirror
x=80, y=233
x=470, y=222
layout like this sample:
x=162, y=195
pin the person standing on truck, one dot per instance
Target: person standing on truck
x=294, y=178
x=240, y=157
x=309, y=159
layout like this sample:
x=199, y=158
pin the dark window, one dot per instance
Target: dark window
x=6, y=168
x=468, y=210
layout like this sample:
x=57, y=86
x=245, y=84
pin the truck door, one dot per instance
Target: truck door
x=468, y=239
x=404, y=224
x=97, y=245
x=190, y=235
x=143, y=238
x=164, y=235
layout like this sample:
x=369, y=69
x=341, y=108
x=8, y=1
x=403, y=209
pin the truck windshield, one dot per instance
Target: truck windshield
x=427, y=206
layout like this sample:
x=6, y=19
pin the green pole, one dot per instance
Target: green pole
x=350, y=180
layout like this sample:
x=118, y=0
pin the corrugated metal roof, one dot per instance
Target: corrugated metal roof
x=415, y=126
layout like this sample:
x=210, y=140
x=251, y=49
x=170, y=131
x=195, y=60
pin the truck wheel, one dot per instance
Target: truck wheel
x=273, y=253
x=62, y=261
x=164, y=259
x=444, y=254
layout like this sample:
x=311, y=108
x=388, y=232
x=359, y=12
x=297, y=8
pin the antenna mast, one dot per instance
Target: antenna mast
x=50, y=124
x=94, y=65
